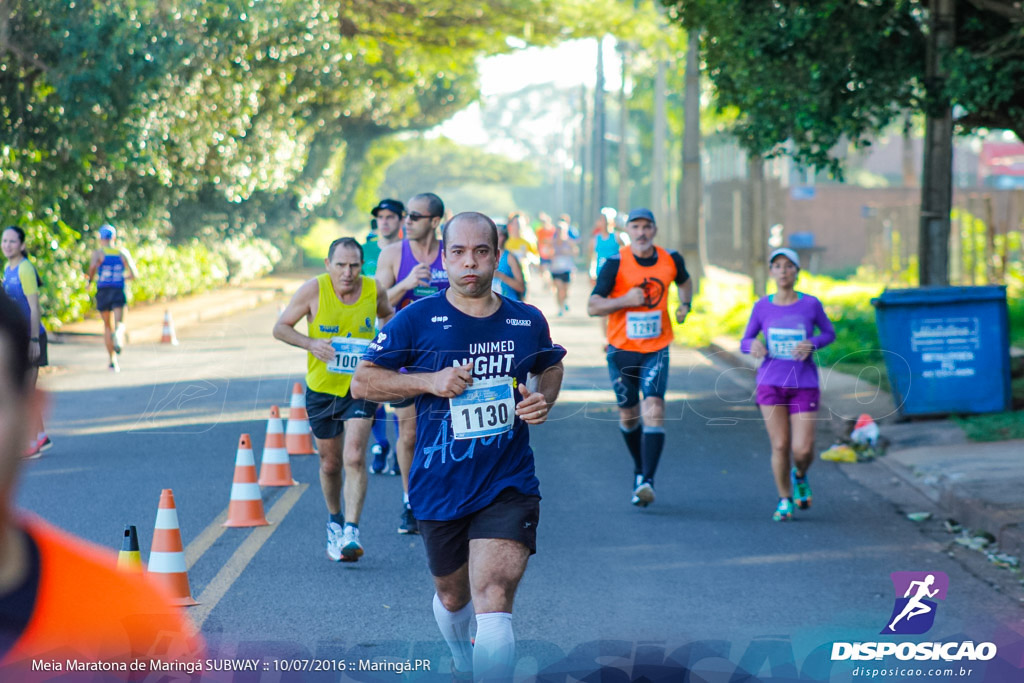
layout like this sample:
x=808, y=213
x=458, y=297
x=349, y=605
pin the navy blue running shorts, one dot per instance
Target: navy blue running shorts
x=632, y=372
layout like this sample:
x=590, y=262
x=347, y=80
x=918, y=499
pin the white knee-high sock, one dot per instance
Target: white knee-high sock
x=494, y=654
x=455, y=630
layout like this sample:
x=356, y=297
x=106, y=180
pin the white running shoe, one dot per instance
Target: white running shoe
x=351, y=549
x=643, y=495
x=334, y=535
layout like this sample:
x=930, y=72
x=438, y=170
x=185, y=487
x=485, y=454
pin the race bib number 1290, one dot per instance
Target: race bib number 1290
x=486, y=408
x=643, y=324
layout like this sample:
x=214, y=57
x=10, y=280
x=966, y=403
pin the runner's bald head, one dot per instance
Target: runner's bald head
x=474, y=219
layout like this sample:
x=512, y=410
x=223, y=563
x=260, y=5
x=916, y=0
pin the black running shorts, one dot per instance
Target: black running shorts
x=327, y=412
x=44, y=356
x=109, y=298
x=511, y=515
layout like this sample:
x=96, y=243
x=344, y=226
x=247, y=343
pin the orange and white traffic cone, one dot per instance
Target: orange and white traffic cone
x=168, y=336
x=246, y=505
x=275, y=468
x=167, y=555
x=298, y=437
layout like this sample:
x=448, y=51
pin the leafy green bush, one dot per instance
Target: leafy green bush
x=167, y=272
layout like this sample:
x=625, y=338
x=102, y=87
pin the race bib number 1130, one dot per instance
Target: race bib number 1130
x=486, y=408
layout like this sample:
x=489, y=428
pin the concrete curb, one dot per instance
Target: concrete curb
x=145, y=321
x=977, y=484
x=152, y=333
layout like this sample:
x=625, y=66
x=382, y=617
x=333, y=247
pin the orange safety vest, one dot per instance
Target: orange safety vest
x=87, y=611
x=646, y=328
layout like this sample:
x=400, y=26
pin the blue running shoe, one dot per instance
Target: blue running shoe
x=379, y=451
x=784, y=512
x=801, y=490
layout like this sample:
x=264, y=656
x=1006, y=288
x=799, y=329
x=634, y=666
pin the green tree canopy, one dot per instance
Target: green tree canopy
x=230, y=114
x=808, y=75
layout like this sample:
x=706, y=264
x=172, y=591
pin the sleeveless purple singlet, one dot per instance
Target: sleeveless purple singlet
x=438, y=275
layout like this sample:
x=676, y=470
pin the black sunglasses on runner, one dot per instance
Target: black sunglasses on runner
x=413, y=216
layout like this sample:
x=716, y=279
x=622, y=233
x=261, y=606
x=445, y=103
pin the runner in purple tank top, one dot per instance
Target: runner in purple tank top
x=437, y=280
x=409, y=271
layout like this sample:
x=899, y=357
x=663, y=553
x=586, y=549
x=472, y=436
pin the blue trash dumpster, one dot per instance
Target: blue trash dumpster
x=947, y=349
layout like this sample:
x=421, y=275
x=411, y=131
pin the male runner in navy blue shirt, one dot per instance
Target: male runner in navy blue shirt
x=481, y=369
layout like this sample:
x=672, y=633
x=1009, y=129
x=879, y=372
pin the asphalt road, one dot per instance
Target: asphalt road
x=702, y=578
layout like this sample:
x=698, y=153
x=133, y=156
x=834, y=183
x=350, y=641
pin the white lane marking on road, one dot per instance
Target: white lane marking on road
x=201, y=543
x=812, y=556
x=29, y=471
x=196, y=421
x=236, y=564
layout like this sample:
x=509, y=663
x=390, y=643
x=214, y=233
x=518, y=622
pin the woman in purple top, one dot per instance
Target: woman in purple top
x=787, y=380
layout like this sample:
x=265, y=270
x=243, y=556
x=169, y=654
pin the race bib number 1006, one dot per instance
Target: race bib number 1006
x=486, y=408
x=347, y=352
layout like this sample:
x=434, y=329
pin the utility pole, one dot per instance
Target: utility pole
x=937, y=182
x=660, y=161
x=600, y=178
x=586, y=151
x=624, y=184
x=690, y=190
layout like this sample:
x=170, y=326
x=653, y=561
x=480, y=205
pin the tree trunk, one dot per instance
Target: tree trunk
x=758, y=230
x=357, y=145
x=937, y=183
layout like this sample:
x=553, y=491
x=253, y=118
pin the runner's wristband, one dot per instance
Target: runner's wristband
x=34, y=339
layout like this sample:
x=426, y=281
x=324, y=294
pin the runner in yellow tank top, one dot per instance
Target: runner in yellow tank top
x=339, y=307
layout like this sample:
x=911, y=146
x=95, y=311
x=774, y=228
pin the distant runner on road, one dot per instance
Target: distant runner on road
x=632, y=290
x=409, y=271
x=21, y=284
x=481, y=368
x=787, y=380
x=387, y=216
x=340, y=307
x=111, y=266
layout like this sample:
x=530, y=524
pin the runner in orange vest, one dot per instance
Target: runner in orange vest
x=60, y=598
x=632, y=290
